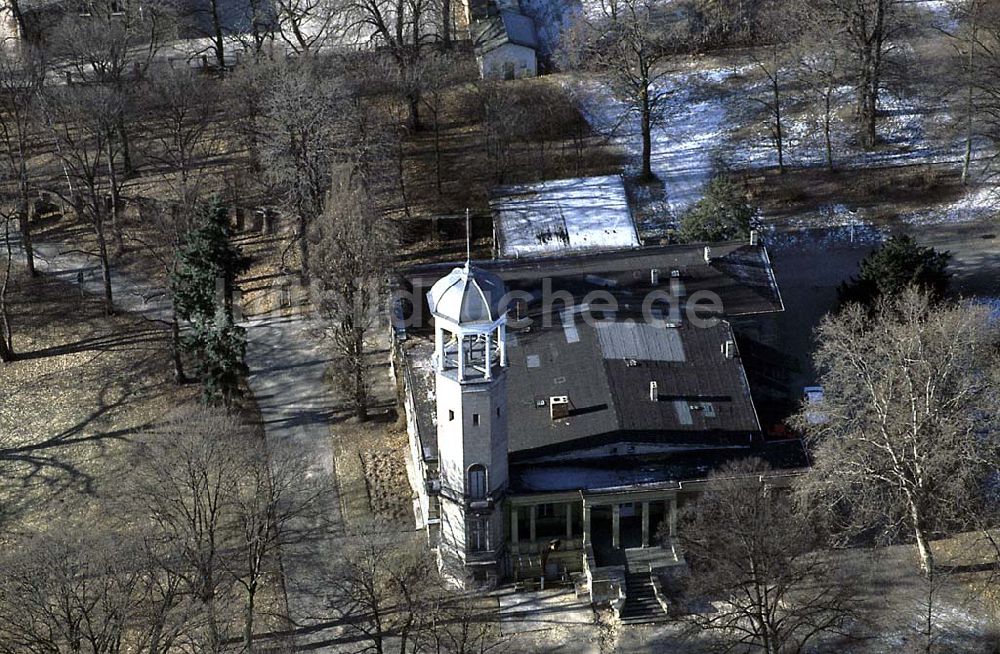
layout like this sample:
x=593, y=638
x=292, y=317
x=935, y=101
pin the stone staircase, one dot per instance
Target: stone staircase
x=641, y=605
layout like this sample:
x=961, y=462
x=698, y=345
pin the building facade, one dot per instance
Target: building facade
x=559, y=442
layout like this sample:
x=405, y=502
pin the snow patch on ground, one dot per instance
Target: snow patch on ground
x=977, y=204
x=685, y=142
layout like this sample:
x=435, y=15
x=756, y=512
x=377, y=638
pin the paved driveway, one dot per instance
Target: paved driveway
x=287, y=368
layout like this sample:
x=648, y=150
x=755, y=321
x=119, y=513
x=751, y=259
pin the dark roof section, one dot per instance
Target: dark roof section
x=702, y=397
x=604, y=360
x=739, y=273
x=666, y=470
x=500, y=28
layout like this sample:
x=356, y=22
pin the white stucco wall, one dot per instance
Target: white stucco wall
x=491, y=64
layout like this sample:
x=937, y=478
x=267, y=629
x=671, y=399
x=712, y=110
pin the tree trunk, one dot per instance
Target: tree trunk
x=248, y=623
x=6, y=341
x=923, y=545
x=437, y=152
x=24, y=225
x=126, y=148
x=116, y=227
x=303, y=248
x=826, y=133
x=22, y=26
x=413, y=100
x=219, y=43
x=446, y=24
x=969, y=109
x=360, y=395
x=175, y=347
x=102, y=245
x=778, y=136
x=647, y=137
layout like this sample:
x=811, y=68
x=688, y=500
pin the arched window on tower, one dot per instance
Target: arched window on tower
x=477, y=481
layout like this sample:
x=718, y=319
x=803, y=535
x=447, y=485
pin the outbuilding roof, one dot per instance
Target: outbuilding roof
x=501, y=28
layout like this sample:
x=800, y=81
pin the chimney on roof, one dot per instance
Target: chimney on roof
x=729, y=349
x=754, y=237
x=558, y=407
x=654, y=276
x=708, y=254
x=654, y=392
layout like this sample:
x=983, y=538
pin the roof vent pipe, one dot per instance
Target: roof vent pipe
x=654, y=392
x=654, y=276
x=729, y=349
x=754, y=237
x=708, y=254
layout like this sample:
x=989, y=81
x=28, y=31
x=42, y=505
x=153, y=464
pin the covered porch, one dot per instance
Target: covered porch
x=554, y=536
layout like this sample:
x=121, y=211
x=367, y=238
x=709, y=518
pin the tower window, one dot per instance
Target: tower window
x=477, y=481
x=498, y=412
x=451, y=415
x=475, y=419
x=479, y=529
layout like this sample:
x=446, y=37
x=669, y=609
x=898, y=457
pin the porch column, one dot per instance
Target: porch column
x=616, y=517
x=489, y=357
x=514, y=513
x=569, y=520
x=439, y=348
x=586, y=523
x=502, y=337
x=531, y=527
x=461, y=357
x=645, y=524
x=673, y=517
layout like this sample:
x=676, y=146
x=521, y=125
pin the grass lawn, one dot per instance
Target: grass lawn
x=84, y=384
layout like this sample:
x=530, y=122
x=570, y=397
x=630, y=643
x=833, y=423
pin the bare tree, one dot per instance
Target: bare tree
x=114, y=48
x=400, y=27
x=503, y=121
x=181, y=116
x=306, y=26
x=630, y=42
x=186, y=476
x=776, y=29
x=976, y=64
x=725, y=22
x=755, y=555
x=278, y=504
x=83, y=121
x=350, y=279
x=867, y=29
x=822, y=67
x=304, y=114
x=77, y=589
x=905, y=435
x=6, y=334
x=461, y=624
x=22, y=74
x=379, y=583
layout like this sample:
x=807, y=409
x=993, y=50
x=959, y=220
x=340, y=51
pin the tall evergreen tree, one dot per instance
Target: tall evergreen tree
x=202, y=286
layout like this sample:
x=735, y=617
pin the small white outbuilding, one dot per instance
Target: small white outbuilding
x=505, y=43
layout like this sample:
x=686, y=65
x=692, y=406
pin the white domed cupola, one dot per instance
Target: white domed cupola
x=470, y=319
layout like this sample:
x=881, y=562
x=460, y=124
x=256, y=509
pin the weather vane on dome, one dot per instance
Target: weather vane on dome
x=468, y=239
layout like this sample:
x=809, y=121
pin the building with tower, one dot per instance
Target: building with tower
x=470, y=368
x=561, y=411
